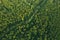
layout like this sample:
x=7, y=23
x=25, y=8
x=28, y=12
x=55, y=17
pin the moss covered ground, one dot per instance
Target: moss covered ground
x=29, y=19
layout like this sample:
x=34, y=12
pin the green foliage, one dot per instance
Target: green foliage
x=29, y=20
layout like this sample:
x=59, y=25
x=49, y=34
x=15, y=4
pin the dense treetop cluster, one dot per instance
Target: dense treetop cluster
x=29, y=20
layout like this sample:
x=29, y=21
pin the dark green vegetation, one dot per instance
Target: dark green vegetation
x=29, y=20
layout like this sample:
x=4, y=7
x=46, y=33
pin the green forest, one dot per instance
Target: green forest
x=29, y=19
